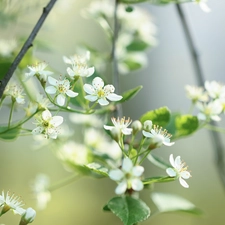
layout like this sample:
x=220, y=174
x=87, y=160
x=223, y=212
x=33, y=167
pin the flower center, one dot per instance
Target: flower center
x=101, y=93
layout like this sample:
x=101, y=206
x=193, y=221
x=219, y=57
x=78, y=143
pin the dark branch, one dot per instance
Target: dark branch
x=26, y=46
x=216, y=138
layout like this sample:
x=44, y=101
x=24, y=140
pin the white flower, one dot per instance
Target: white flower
x=79, y=65
x=215, y=89
x=210, y=110
x=129, y=177
x=28, y=216
x=121, y=125
x=16, y=92
x=38, y=69
x=48, y=125
x=159, y=136
x=60, y=88
x=179, y=170
x=97, y=91
x=196, y=93
x=7, y=47
x=40, y=190
x=203, y=5
x=12, y=202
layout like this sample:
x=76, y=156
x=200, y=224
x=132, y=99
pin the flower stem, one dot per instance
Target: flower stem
x=139, y=149
x=11, y=113
x=215, y=128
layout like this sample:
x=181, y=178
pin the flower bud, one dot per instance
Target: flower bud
x=116, y=134
x=28, y=216
x=147, y=125
x=137, y=126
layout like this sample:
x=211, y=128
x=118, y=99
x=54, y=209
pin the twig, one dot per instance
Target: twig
x=118, y=110
x=26, y=46
x=215, y=137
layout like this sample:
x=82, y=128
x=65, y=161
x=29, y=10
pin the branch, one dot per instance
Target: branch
x=118, y=111
x=26, y=46
x=215, y=137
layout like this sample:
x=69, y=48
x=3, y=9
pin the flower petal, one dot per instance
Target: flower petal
x=71, y=94
x=91, y=98
x=147, y=134
x=90, y=70
x=172, y=162
x=50, y=90
x=52, y=81
x=37, y=130
x=183, y=183
x=56, y=120
x=108, y=127
x=114, y=97
x=185, y=174
x=46, y=115
x=89, y=89
x=61, y=99
x=171, y=172
x=98, y=83
x=116, y=175
x=127, y=165
x=121, y=188
x=137, y=185
x=102, y=101
x=70, y=72
x=137, y=171
x=127, y=131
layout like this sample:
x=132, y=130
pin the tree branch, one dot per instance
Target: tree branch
x=215, y=137
x=26, y=46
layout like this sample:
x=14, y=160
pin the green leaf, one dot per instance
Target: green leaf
x=174, y=203
x=97, y=168
x=132, y=1
x=127, y=95
x=185, y=125
x=137, y=45
x=132, y=64
x=159, y=116
x=158, y=179
x=4, y=67
x=157, y=161
x=9, y=134
x=128, y=209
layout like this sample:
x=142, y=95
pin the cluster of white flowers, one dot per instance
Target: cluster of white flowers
x=15, y=91
x=12, y=202
x=210, y=102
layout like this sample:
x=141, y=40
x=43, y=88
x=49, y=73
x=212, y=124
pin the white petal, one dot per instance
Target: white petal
x=137, y=171
x=185, y=174
x=37, y=130
x=204, y=7
x=91, y=70
x=178, y=163
x=172, y=162
x=102, y=101
x=89, y=89
x=127, y=165
x=98, y=83
x=215, y=118
x=46, y=115
x=108, y=127
x=61, y=99
x=183, y=183
x=56, y=120
x=52, y=81
x=91, y=98
x=50, y=90
x=168, y=143
x=71, y=94
x=70, y=72
x=147, y=134
x=114, y=97
x=116, y=175
x=127, y=131
x=121, y=188
x=171, y=172
x=137, y=185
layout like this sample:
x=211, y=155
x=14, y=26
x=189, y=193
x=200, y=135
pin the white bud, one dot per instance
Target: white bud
x=28, y=216
x=137, y=126
x=148, y=125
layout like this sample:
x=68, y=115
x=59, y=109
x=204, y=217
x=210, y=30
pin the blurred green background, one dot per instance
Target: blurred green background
x=169, y=70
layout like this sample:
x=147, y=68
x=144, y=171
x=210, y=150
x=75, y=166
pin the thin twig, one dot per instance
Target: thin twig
x=26, y=46
x=118, y=111
x=215, y=137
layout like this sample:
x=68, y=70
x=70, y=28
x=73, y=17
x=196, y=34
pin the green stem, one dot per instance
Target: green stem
x=139, y=149
x=214, y=128
x=64, y=182
x=11, y=113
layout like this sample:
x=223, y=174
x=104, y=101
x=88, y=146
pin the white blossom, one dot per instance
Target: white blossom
x=28, y=216
x=16, y=92
x=179, y=170
x=39, y=70
x=48, y=125
x=98, y=92
x=61, y=88
x=12, y=202
x=196, y=93
x=215, y=89
x=128, y=177
x=210, y=110
x=79, y=65
x=121, y=125
x=159, y=136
